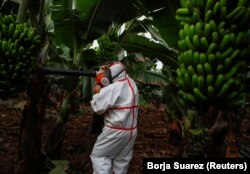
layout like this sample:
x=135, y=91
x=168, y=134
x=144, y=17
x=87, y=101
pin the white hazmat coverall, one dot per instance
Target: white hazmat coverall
x=119, y=104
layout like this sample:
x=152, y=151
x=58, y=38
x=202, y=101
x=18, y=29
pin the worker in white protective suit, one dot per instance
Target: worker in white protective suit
x=118, y=103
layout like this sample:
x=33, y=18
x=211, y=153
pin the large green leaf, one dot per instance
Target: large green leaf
x=163, y=14
x=78, y=23
x=134, y=43
x=97, y=15
x=150, y=78
x=144, y=26
x=164, y=20
x=142, y=70
x=63, y=22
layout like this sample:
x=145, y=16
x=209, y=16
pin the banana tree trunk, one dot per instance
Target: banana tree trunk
x=22, y=11
x=29, y=156
x=56, y=137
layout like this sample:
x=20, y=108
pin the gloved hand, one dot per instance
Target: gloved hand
x=97, y=89
x=104, y=67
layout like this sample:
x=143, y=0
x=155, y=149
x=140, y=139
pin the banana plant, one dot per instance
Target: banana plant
x=82, y=22
x=29, y=156
x=219, y=100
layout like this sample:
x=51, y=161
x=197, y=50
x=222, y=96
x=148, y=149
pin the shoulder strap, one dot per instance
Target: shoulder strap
x=118, y=74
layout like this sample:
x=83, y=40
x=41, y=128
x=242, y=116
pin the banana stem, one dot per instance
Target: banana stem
x=22, y=11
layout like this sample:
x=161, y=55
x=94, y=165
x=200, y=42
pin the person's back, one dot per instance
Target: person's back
x=118, y=102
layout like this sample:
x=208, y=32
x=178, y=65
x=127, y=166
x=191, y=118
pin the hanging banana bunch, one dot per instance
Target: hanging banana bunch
x=106, y=50
x=214, y=39
x=19, y=45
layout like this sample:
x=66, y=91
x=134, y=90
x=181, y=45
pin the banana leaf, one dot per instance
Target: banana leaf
x=80, y=22
x=150, y=48
x=150, y=77
x=163, y=14
x=64, y=33
x=143, y=71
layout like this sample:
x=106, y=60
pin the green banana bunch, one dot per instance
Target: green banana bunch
x=214, y=46
x=19, y=46
x=106, y=49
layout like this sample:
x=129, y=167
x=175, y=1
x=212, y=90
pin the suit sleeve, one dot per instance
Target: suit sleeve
x=105, y=99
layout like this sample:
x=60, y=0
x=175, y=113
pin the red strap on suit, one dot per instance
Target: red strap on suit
x=133, y=107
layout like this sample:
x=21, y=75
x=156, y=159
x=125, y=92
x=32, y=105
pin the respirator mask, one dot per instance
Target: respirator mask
x=104, y=75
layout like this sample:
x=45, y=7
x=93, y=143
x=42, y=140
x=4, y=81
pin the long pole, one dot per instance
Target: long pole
x=57, y=71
